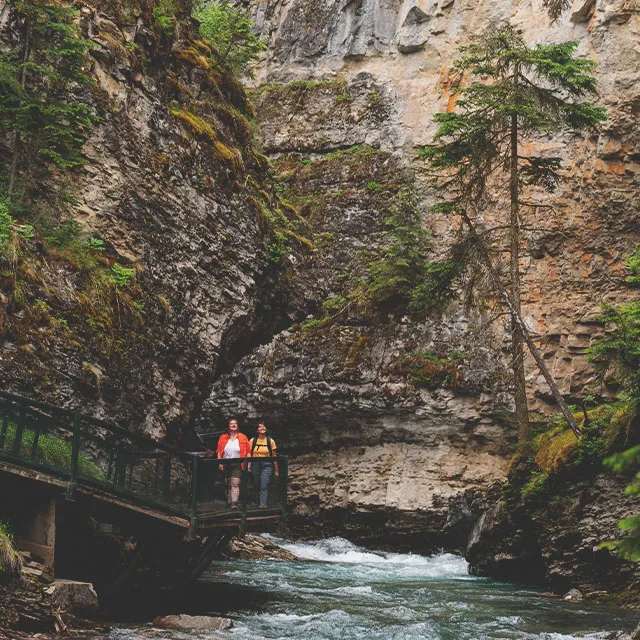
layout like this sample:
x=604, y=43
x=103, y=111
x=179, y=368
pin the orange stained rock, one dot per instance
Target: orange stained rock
x=451, y=103
x=618, y=168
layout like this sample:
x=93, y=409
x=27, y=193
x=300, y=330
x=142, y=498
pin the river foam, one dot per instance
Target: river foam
x=339, y=550
x=343, y=592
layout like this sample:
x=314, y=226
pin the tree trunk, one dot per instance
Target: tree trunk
x=517, y=319
x=17, y=142
x=517, y=346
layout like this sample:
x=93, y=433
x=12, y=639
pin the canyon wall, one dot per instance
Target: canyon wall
x=397, y=421
x=374, y=443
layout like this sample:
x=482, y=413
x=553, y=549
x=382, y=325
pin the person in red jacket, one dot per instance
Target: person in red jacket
x=233, y=444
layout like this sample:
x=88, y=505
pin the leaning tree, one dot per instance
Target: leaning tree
x=478, y=160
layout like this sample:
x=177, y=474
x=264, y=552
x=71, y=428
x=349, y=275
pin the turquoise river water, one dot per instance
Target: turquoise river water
x=349, y=593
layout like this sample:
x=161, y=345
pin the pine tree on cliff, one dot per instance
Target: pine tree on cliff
x=479, y=157
x=555, y=7
x=46, y=59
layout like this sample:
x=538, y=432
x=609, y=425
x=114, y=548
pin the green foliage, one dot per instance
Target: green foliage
x=229, y=30
x=620, y=348
x=541, y=87
x=122, y=276
x=51, y=450
x=36, y=75
x=373, y=98
x=96, y=244
x=479, y=155
x=628, y=547
x=6, y=223
x=278, y=224
x=374, y=187
x=5, y=530
x=435, y=290
x=594, y=444
x=165, y=15
x=633, y=265
x=313, y=324
x=402, y=273
x=10, y=559
x=25, y=231
x=401, y=267
x=334, y=303
x=64, y=233
x=536, y=487
x=607, y=427
x=400, y=276
x=431, y=371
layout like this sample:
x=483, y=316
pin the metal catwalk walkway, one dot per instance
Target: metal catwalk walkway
x=116, y=467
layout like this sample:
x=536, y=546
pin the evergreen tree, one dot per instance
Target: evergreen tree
x=45, y=59
x=230, y=30
x=620, y=348
x=628, y=547
x=518, y=93
x=555, y=7
x=402, y=265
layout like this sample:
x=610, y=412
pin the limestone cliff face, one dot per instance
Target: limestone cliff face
x=339, y=73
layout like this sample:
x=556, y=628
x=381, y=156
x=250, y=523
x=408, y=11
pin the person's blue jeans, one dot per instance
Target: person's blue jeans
x=262, y=472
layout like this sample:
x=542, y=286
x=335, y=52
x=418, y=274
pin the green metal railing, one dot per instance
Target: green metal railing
x=94, y=453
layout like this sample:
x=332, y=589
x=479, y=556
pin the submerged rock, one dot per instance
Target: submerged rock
x=574, y=595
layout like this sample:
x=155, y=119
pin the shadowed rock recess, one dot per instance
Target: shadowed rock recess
x=396, y=420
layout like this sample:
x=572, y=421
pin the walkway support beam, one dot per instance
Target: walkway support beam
x=75, y=452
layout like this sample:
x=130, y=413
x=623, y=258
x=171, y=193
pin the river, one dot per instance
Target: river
x=349, y=593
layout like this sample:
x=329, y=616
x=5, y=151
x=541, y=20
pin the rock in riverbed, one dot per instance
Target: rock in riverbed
x=193, y=623
x=78, y=598
x=253, y=547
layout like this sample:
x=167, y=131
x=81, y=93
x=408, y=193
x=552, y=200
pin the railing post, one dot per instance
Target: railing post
x=156, y=477
x=3, y=433
x=111, y=468
x=34, y=446
x=244, y=490
x=283, y=468
x=121, y=466
x=75, y=451
x=193, y=526
x=17, y=442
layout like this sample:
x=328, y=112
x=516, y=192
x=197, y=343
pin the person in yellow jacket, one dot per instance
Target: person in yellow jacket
x=262, y=446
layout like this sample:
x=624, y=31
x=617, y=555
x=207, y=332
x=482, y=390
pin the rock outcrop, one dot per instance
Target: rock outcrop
x=368, y=442
x=172, y=188
x=253, y=547
x=556, y=540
